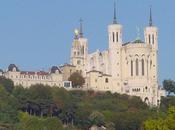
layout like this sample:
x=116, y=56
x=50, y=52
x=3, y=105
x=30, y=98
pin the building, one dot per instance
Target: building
x=28, y=78
x=67, y=70
x=128, y=68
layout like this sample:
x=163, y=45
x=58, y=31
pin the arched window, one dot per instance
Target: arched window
x=82, y=50
x=131, y=68
x=143, y=67
x=150, y=64
x=137, y=67
x=149, y=37
x=113, y=37
x=117, y=36
x=153, y=38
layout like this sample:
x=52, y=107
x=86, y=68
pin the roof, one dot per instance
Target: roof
x=96, y=71
x=33, y=73
x=55, y=69
x=138, y=41
x=27, y=73
x=69, y=65
x=12, y=66
x=1, y=70
x=133, y=42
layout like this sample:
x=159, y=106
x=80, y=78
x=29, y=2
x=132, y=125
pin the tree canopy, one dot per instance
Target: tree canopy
x=77, y=79
x=167, y=123
x=45, y=107
x=7, y=84
x=169, y=86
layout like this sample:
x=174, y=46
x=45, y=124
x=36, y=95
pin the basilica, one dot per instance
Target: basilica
x=127, y=68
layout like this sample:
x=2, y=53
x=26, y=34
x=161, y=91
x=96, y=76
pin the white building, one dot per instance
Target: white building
x=130, y=68
x=28, y=78
x=127, y=68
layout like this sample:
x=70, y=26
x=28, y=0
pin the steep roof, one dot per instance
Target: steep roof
x=12, y=66
x=138, y=41
x=54, y=69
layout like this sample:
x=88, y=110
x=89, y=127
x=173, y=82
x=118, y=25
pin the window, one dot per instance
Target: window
x=131, y=68
x=113, y=37
x=149, y=37
x=143, y=68
x=150, y=64
x=137, y=67
x=153, y=38
x=106, y=80
x=82, y=50
x=78, y=62
x=117, y=36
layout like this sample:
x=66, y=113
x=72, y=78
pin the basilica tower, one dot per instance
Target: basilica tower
x=151, y=39
x=79, y=51
x=115, y=44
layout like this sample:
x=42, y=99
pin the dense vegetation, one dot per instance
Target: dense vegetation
x=44, y=108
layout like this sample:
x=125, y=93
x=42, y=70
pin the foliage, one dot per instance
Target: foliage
x=8, y=109
x=77, y=79
x=7, y=84
x=167, y=123
x=35, y=123
x=96, y=118
x=167, y=102
x=169, y=86
x=41, y=107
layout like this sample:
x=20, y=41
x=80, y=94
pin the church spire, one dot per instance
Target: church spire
x=81, y=28
x=150, y=18
x=115, y=17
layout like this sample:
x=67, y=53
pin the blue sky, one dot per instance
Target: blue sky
x=36, y=34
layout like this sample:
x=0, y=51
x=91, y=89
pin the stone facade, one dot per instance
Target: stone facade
x=28, y=78
x=129, y=68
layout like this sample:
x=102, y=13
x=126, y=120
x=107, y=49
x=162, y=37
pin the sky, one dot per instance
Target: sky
x=37, y=34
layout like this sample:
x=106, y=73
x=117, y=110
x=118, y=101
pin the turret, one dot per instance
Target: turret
x=115, y=43
x=79, y=50
x=151, y=34
x=115, y=32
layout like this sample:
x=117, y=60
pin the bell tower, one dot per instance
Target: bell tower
x=115, y=44
x=151, y=33
x=151, y=39
x=79, y=50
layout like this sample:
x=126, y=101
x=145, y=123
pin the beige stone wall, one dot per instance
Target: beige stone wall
x=98, y=81
x=141, y=80
x=28, y=80
x=67, y=70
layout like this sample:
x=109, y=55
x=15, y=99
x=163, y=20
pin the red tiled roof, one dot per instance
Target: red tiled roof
x=33, y=73
x=42, y=73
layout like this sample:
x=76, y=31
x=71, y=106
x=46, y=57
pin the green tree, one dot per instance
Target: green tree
x=166, y=103
x=97, y=118
x=169, y=86
x=7, y=84
x=77, y=79
x=167, y=123
x=40, y=100
x=8, y=109
x=36, y=123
